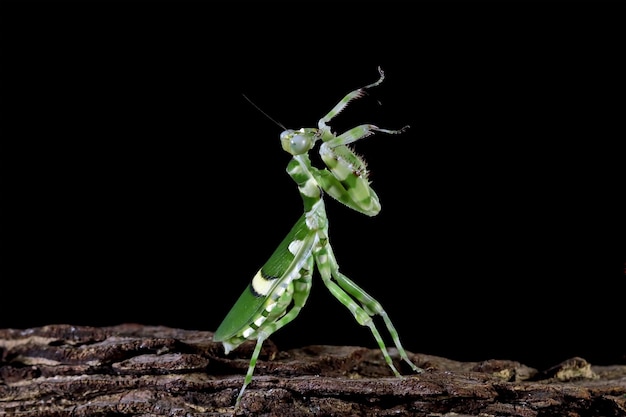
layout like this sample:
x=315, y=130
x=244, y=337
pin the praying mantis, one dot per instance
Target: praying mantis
x=281, y=287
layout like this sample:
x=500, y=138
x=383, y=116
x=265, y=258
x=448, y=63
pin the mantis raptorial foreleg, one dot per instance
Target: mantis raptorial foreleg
x=358, y=93
x=281, y=287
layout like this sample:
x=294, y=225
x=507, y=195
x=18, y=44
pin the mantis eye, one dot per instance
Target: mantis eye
x=300, y=144
x=296, y=142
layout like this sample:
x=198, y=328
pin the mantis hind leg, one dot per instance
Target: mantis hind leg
x=373, y=307
x=301, y=290
x=363, y=311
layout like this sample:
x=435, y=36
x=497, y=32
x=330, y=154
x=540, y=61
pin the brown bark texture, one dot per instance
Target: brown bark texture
x=135, y=370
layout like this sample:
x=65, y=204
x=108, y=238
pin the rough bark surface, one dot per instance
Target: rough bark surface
x=135, y=370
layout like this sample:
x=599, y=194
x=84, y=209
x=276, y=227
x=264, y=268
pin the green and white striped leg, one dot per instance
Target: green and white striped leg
x=255, y=355
x=342, y=291
x=373, y=307
x=357, y=133
x=298, y=294
x=358, y=93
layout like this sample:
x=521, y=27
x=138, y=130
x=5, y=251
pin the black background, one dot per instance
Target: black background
x=140, y=186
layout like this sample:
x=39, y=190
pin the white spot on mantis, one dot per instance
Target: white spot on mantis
x=228, y=347
x=313, y=219
x=270, y=307
x=310, y=188
x=248, y=332
x=295, y=246
x=258, y=322
x=261, y=285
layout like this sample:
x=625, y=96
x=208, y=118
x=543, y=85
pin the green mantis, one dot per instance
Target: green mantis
x=281, y=287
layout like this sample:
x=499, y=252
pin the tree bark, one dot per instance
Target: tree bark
x=135, y=370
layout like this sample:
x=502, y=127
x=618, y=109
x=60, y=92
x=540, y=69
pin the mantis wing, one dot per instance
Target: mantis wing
x=280, y=269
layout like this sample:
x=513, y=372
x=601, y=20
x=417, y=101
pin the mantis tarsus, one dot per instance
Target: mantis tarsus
x=281, y=287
